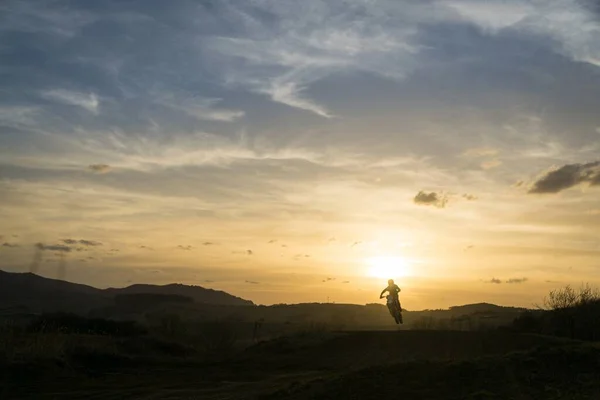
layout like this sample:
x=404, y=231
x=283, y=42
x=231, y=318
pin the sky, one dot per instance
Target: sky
x=304, y=151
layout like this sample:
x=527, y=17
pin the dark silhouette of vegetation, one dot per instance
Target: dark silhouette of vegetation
x=148, y=300
x=565, y=312
x=75, y=324
x=303, y=354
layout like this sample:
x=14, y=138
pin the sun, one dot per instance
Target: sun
x=388, y=267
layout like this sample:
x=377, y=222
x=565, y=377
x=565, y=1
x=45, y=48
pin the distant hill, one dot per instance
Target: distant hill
x=197, y=293
x=482, y=308
x=38, y=294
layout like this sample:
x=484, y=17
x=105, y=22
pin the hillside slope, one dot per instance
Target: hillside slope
x=37, y=294
x=197, y=293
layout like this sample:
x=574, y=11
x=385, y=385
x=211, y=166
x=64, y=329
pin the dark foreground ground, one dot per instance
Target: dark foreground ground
x=347, y=365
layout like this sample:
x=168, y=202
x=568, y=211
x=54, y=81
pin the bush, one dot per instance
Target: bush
x=566, y=312
x=72, y=323
x=218, y=337
x=528, y=322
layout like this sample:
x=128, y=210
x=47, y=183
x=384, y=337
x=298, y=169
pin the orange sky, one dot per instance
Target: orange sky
x=282, y=151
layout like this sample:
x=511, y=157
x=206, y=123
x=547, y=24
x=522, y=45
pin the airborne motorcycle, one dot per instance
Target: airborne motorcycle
x=393, y=305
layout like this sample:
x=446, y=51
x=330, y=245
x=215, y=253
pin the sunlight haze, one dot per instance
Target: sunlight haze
x=304, y=151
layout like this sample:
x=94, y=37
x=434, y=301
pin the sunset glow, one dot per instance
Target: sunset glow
x=385, y=267
x=299, y=151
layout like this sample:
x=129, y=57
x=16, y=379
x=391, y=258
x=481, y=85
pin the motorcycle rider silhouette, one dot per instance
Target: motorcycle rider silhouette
x=393, y=302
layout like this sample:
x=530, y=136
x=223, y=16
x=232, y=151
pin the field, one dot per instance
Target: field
x=309, y=365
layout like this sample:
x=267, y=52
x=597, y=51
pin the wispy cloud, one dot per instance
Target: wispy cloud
x=570, y=23
x=516, y=280
x=494, y=281
x=54, y=247
x=480, y=152
x=99, y=168
x=198, y=107
x=88, y=101
x=83, y=242
x=351, y=37
x=491, y=164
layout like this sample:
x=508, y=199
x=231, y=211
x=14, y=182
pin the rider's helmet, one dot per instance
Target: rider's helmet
x=390, y=281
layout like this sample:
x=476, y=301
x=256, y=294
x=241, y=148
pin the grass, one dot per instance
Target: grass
x=305, y=365
x=551, y=373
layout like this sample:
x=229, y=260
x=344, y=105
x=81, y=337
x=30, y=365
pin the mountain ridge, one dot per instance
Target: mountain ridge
x=41, y=294
x=59, y=295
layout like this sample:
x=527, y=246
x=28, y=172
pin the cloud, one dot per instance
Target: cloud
x=87, y=101
x=494, y=281
x=491, y=164
x=99, y=168
x=252, y=282
x=571, y=25
x=54, y=247
x=430, y=199
x=83, y=242
x=289, y=93
x=246, y=252
x=566, y=177
x=6, y=244
x=208, y=244
x=89, y=242
x=480, y=152
x=469, y=197
x=302, y=52
x=197, y=107
x=517, y=280
x=299, y=256
x=187, y=248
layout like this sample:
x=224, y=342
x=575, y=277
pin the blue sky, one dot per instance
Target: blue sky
x=287, y=142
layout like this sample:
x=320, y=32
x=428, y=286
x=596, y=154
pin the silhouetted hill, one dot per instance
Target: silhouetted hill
x=37, y=294
x=197, y=293
x=40, y=294
x=482, y=308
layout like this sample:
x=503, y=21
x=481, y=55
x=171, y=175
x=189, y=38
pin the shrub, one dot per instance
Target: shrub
x=218, y=337
x=566, y=312
x=72, y=323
